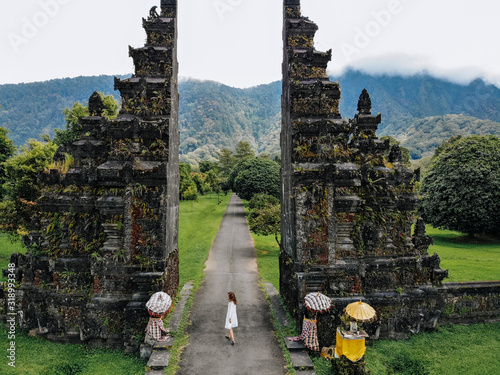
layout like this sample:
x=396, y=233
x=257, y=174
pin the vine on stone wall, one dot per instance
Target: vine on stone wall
x=315, y=246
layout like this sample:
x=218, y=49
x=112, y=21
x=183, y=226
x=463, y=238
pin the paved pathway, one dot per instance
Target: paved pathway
x=231, y=266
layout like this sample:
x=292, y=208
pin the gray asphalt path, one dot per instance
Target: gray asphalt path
x=231, y=266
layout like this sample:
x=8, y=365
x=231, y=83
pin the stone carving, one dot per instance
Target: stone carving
x=395, y=155
x=364, y=103
x=96, y=106
x=153, y=14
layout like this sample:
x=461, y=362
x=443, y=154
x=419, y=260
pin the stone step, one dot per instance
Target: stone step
x=301, y=361
x=159, y=360
x=294, y=345
x=305, y=372
x=276, y=304
x=164, y=345
x=160, y=356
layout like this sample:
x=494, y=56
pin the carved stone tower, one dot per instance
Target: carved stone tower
x=348, y=202
x=106, y=236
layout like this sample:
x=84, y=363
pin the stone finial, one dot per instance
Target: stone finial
x=153, y=14
x=420, y=227
x=395, y=155
x=96, y=105
x=364, y=103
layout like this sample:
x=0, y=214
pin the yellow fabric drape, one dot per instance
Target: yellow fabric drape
x=353, y=349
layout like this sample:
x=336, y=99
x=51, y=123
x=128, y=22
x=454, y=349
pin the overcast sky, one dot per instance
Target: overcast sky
x=238, y=42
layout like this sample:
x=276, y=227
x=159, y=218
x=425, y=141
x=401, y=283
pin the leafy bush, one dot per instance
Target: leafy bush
x=264, y=217
x=261, y=200
x=255, y=175
x=462, y=189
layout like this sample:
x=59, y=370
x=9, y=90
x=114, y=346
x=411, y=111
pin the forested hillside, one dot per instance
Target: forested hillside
x=31, y=109
x=423, y=135
x=215, y=114
x=414, y=109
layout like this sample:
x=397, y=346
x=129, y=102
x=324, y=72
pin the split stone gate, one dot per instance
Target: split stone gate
x=106, y=236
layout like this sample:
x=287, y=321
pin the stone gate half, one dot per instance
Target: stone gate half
x=106, y=235
x=348, y=207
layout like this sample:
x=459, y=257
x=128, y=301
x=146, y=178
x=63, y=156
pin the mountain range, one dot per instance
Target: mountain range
x=420, y=110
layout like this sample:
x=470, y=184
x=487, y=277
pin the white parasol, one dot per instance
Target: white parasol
x=159, y=303
x=317, y=302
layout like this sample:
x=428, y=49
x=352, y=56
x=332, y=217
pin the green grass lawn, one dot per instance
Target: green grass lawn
x=453, y=350
x=467, y=259
x=198, y=225
x=36, y=356
x=7, y=247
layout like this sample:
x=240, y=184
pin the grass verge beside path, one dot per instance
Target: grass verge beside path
x=268, y=254
x=467, y=259
x=199, y=223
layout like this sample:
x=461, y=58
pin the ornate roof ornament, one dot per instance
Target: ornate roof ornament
x=96, y=105
x=365, y=103
x=153, y=14
x=396, y=154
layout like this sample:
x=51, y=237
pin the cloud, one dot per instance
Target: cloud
x=401, y=64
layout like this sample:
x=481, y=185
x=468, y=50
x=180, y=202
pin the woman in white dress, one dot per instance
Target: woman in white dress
x=231, y=317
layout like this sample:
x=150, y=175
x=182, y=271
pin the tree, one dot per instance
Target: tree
x=22, y=188
x=446, y=144
x=265, y=216
x=207, y=165
x=78, y=110
x=202, y=186
x=462, y=189
x=186, y=185
x=244, y=150
x=226, y=161
x=254, y=175
x=213, y=181
x=7, y=149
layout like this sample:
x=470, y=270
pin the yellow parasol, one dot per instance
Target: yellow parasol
x=360, y=311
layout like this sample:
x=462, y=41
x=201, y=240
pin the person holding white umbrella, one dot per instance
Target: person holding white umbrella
x=158, y=307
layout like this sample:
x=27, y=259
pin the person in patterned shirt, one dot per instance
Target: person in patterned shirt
x=158, y=307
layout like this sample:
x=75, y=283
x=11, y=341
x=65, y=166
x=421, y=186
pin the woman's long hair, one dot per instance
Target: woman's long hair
x=232, y=298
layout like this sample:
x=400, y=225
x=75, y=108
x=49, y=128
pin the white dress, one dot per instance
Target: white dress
x=231, y=314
